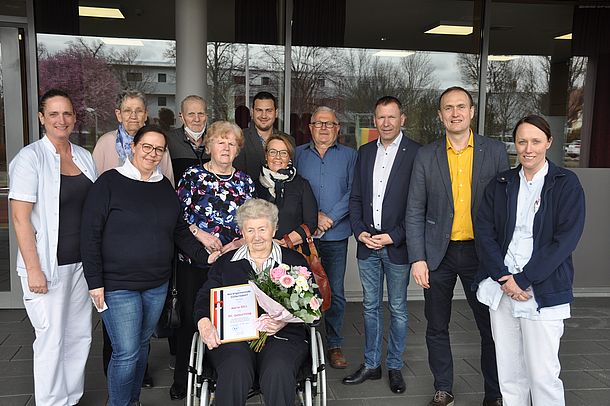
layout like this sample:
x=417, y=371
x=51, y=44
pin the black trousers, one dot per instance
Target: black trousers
x=460, y=260
x=276, y=367
x=189, y=280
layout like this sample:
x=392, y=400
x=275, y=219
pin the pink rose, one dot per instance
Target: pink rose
x=277, y=273
x=314, y=303
x=287, y=281
x=304, y=272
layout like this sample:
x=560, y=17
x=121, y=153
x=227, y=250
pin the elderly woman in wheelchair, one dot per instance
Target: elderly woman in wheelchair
x=276, y=366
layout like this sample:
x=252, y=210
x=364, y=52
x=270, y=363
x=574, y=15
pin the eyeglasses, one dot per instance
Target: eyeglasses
x=327, y=124
x=274, y=152
x=147, y=149
x=129, y=112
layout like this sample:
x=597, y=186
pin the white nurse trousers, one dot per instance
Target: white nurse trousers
x=62, y=321
x=527, y=352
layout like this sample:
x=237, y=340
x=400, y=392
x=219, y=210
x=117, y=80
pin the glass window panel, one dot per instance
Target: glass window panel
x=5, y=281
x=531, y=71
x=93, y=70
x=351, y=79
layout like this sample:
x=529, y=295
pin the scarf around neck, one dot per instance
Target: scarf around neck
x=274, y=182
x=123, y=144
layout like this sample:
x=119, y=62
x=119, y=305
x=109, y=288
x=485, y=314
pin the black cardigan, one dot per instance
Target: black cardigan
x=227, y=273
x=298, y=207
x=128, y=231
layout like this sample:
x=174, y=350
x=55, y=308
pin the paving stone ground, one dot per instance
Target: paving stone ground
x=585, y=358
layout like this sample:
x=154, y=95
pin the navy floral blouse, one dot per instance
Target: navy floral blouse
x=211, y=202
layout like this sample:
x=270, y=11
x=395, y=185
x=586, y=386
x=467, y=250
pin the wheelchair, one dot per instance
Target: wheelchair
x=311, y=380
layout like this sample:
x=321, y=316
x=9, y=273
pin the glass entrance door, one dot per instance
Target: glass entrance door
x=13, y=116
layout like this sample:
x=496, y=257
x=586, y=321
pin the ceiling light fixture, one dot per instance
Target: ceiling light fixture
x=502, y=58
x=123, y=41
x=101, y=12
x=450, y=29
x=393, y=53
x=567, y=36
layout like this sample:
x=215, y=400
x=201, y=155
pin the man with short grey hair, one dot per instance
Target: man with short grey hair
x=329, y=168
x=185, y=143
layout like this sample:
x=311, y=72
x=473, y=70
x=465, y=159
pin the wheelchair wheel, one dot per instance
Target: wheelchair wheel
x=205, y=393
x=308, y=393
x=321, y=371
x=193, y=389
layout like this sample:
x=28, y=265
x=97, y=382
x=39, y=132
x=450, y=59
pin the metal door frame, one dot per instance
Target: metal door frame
x=14, y=95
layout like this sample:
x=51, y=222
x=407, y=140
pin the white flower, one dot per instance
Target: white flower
x=286, y=267
x=301, y=284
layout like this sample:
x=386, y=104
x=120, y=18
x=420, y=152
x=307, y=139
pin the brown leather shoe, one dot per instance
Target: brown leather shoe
x=336, y=358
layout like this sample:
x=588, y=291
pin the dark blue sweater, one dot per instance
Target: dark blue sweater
x=128, y=232
x=558, y=225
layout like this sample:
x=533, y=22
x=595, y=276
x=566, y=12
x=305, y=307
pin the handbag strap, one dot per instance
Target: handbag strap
x=309, y=239
x=288, y=241
x=175, y=274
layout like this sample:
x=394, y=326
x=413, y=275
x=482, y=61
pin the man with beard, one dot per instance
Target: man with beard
x=252, y=155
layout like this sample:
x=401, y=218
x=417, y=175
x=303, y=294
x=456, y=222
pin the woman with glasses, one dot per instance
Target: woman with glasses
x=131, y=220
x=114, y=147
x=210, y=195
x=280, y=184
x=111, y=151
x=49, y=181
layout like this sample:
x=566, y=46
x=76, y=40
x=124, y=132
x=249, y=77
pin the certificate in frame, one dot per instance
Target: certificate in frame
x=234, y=312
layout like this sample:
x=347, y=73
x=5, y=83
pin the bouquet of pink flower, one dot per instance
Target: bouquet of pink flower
x=286, y=293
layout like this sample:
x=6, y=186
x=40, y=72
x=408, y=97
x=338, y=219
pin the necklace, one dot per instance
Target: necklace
x=218, y=177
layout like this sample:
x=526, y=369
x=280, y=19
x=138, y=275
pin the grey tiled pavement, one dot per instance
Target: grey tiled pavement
x=585, y=357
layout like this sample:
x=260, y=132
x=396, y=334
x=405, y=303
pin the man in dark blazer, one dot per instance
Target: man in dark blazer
x=447, y=184
x=251, y=157
x=377, y=214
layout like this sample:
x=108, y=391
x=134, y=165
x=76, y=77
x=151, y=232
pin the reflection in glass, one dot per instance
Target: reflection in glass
x=357, y=78
x=5, y=282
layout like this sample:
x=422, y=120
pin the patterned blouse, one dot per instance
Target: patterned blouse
x=211, y=201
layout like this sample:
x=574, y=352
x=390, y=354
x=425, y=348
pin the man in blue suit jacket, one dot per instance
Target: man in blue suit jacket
x=377, y=213
x=447, y=184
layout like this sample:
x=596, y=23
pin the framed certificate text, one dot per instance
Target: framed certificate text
x=234, y=311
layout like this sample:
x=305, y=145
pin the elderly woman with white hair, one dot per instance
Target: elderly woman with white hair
x=236, y=364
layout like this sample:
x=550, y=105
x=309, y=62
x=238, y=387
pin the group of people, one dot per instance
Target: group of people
x=215, y=203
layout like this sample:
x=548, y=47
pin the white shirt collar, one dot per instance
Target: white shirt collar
x=538, y=176
x=274, y=257
x=394, y=143
x=131, y=172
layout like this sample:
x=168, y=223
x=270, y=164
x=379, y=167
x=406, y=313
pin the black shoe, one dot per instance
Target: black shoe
x=176, y=392
x=148, y=381
x=362, y=374
x=397, y=383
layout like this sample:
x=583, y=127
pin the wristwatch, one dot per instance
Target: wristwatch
x=195, y=231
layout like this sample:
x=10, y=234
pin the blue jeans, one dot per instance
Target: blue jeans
x=334, y=258
x=372, y=272
x=130, y=321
